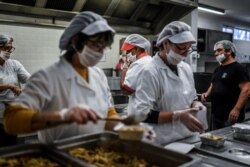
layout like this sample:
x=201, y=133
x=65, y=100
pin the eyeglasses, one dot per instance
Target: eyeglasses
x=183, y=48
x=99, y=45
x=9, y=49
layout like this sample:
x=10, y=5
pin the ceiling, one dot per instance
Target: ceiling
x=126, y=16
x=235, y=9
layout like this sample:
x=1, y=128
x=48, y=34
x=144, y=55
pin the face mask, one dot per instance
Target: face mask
x=174, y=58
x=220, y=58
x=88, y=57
x=5, y=55
x=131, y=58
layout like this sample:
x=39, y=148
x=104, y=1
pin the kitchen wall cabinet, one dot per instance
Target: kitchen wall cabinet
x=207, y=39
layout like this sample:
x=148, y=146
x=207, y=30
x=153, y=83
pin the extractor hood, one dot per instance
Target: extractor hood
x=126, y=16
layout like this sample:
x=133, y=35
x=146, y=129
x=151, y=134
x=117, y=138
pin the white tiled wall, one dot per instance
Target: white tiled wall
x=37, y=47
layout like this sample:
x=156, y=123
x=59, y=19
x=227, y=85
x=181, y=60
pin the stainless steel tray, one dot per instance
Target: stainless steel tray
x=241, y=136
x=241, y=128
x=45, y=151
x=153, y=154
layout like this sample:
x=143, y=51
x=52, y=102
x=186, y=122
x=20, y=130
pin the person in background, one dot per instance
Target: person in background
x=122, y=61
x=229, y=88
x=137, y=46
x=12, y=74
x=67, y=98
x=166, y=92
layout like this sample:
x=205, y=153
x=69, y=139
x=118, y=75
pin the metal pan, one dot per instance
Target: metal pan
x=154, y=155
x=40, y=150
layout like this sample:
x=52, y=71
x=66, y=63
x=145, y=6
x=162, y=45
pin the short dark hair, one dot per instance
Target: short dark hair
x=4, y=39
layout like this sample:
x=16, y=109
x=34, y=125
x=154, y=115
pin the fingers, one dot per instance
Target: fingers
x=192, y=123
x=203, y=98
x=82, y=115
x=233, y=117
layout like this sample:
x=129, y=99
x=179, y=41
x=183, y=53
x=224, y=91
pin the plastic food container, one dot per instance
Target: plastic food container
x=133, y=132
x=212, y=140
x=241, y=128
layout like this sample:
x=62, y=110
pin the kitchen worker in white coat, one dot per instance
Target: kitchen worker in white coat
x=137, y=46
x=12, y=75
x=166, y=93
x=71, y=93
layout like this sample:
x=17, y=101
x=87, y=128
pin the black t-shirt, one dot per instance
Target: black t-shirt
x=225, y=91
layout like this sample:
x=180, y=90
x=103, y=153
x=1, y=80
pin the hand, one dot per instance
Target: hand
x=203, y=97
x=188, y=119
x=79, y=114
x=15, y=89
x=199, y=105
x=233, y=115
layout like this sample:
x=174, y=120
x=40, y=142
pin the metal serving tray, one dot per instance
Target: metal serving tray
x=34, y=150
x=153, y=154
x=241, y=128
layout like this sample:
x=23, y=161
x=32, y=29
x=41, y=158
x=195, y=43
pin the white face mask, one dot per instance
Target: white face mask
x=220, y=58
x=5, y=55
x=174, y=58
x=131, y=58
x=88, y=57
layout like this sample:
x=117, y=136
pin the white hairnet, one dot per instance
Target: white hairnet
x=138, y=40
x=176, y=32
x=89, y=23
x=227, y=45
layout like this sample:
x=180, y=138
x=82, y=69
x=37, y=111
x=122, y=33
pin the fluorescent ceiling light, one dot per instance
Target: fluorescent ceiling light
x=211, y=9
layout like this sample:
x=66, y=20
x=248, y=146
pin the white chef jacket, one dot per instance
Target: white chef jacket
x=161, y=89
x=11, y=72
x=132, y=78
x=59, y=86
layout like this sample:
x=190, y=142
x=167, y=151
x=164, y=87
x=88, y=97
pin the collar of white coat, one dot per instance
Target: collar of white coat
x=70, y=73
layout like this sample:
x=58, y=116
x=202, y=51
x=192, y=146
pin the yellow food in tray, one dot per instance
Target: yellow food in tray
x=27, y=161
x=101, y=157
x=212, y=140
x=214, y=137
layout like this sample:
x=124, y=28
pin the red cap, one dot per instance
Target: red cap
x=127, y=46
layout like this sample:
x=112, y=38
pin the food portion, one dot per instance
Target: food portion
x=212, y=140
x=213, y=137
x=133, y=132
x=27, y=161
x=101, y=157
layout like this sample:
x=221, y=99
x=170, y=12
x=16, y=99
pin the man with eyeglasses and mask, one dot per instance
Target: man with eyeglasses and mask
x=67, y=98
x=229, y=88
x=166, y=93
x=12, y=74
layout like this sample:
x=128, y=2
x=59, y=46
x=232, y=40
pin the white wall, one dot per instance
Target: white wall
x=37, y=47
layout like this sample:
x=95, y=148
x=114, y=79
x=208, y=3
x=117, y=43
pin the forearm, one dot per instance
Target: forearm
x=18, y=119
x=125, y=89
x=208, y=92
x=243, y=97
x=5, y=86
x=44, y=120
x=123, y=75
x=165, y=117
